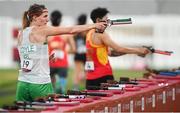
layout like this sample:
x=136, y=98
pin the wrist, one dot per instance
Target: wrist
x=94, y=26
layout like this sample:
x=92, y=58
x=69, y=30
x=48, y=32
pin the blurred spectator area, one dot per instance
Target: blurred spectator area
x=16, y=57
x=15, y=8
x=161, y=32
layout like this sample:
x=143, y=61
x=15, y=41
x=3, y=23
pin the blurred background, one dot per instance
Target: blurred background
x=154, y=23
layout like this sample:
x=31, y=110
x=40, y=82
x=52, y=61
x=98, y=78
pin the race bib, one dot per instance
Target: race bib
x=89, y=66
x=81, y=49
x=58, y=54
x=26, y=65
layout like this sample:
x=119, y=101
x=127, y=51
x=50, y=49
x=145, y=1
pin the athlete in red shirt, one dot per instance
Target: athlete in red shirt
x=58, y=48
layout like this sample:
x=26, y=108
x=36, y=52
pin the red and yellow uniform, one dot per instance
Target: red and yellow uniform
x=99, y=55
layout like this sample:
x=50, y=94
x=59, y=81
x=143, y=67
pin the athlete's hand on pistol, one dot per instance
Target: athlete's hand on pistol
x=144, y=52
x=101, y=26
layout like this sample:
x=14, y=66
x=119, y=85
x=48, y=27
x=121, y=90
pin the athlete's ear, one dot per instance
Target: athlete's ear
x=34, y=18
x=98, y=20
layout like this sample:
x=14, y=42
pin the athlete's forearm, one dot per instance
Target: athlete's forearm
x=114, y=53
x=82, y=28
x=129, y=50
x=50, y=30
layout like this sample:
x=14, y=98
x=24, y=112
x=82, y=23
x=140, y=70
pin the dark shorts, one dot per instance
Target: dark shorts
x=80, y=57
x=97, y=82
x=61, y=72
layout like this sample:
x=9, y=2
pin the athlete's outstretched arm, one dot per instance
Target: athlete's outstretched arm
x=50, y=31
x=121, y=50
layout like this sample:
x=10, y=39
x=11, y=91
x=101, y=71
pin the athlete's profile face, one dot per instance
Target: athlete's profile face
x=105, y=18
x=43, y=18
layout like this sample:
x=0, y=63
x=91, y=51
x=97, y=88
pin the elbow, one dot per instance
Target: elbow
x=73, y=51
x=109, y=53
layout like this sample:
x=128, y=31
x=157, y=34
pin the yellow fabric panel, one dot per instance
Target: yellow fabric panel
x=102, y=55
x=88, y=38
